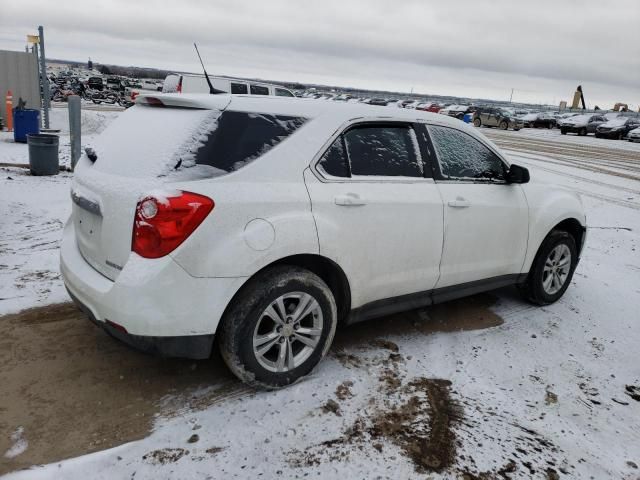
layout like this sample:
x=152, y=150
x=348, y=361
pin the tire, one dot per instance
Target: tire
x=620, y=136
x=246, y=319
x=477, y=122
x=549, y=126
x=563, y=131
x=503, y=125
x=516, y=129
x=534, y=288
x=582, y=132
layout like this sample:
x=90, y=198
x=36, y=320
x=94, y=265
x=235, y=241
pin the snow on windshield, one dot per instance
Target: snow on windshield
x=152, y=142
x=530, y=116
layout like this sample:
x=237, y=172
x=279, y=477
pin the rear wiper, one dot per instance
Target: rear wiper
x=91, y=154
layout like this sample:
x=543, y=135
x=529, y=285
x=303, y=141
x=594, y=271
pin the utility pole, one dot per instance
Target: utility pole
x=511, y=97
x=46, y=92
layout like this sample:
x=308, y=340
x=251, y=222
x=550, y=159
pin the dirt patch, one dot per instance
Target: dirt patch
x=422, y=427
x=471, y=313
x=60, y=373
x=165, y=455
x=343, y=391
x=633, y=391
x=331, y=406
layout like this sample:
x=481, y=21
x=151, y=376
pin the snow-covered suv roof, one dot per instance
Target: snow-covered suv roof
x=303, y=107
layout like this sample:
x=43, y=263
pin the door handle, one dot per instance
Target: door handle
x=349, y=200
x=459, y=202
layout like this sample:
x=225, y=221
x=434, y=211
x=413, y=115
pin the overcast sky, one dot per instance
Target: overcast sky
x=543, y=48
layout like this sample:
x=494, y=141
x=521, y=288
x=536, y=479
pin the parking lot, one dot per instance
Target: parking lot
x=484, y=387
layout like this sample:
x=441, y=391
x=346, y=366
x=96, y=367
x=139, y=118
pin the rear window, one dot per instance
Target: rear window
x=187, y=144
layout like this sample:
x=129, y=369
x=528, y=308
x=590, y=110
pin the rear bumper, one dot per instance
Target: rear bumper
x=197, y=347
x=608, y=134
x=162, y=308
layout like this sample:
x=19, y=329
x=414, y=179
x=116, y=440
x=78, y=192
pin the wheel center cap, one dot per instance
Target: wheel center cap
x=287, y=330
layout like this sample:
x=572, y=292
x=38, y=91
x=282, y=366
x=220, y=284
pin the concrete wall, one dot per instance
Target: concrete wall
x=19, y=73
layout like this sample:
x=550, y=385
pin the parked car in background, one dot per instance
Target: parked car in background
x=457, y=111
x=582, y=124
x=496, y=117
x=95, y=83
x=381, y=102
x=634, y=135
x=539, y=120
x=258, y=233
x=429, y=107
x=190, y=83
x=617, y=128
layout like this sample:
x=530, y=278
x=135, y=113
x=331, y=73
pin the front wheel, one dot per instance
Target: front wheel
x=278, y=327
x=563, y=131
x=503, y=125
x=552, y=269
x=582, y=132
x=477, y=122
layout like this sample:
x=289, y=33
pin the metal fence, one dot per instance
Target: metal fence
x=19, y=73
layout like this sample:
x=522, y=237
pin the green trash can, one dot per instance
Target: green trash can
x=43, y=154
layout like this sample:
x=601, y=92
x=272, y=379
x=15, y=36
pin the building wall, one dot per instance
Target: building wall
x=19, y=73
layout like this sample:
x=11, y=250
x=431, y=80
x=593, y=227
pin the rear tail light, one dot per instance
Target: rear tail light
x=162, y=223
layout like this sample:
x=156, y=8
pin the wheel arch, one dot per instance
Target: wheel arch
x=328, y=270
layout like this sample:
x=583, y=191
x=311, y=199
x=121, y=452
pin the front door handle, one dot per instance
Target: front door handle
x=459, y=202
x=349, y=200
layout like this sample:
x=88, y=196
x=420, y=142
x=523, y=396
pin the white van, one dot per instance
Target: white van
x=190, y=83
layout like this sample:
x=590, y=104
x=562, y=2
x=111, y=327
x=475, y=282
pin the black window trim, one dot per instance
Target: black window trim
x=435, y=161
x=359, y=123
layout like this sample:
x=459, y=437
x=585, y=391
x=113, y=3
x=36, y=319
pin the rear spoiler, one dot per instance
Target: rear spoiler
x=199, y=101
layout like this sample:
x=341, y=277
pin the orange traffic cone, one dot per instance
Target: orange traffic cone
x=9, y=111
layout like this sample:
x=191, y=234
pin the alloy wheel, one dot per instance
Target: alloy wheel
x=556, y=269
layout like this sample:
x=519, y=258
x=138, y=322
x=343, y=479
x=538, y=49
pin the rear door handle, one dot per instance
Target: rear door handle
x=459, y=202
x=349, y=200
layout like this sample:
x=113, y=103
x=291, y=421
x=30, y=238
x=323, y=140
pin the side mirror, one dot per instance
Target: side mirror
x=517, y=174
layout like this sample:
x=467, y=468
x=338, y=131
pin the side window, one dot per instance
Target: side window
x=241, y=138
x=281, y=92
x=463, y=157
x=259, y=90
x=334, y=161
x=383, y=151
x=239, y=88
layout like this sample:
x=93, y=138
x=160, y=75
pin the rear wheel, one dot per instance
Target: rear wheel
x=563, y=131
x=552, y=269
x=279, y=327
x=582, y=132
x=503, y=125
x=477, y=122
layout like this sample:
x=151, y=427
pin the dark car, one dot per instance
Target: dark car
x=539, y=120
x=496, y=117
x=378, y=101
x=95, y=83
x=617, y=128
x=582, y=124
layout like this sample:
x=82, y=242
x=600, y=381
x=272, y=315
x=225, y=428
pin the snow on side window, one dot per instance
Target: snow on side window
x=241, y=137
x=334, y=161
x=462, y=156
x=383, y=151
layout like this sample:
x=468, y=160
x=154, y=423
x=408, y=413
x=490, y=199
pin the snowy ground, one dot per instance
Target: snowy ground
x=500, y=389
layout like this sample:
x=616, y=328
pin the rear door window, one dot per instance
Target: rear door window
x=383, y=151
x=462, y=157
x=259, y=90
x=334, y=161
x=239, y=88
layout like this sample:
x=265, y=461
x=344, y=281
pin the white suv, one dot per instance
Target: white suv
x=263, y=223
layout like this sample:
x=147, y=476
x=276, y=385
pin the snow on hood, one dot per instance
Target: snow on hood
x=616, y=122
x=530, y=116
x=578, y=119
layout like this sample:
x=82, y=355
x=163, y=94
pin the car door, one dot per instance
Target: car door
x=378, y=212
x=489, y=117
x=485, y=219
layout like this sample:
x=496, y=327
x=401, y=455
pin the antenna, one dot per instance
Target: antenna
x=212, y=90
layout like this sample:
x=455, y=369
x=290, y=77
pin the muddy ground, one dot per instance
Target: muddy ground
x=74, y=390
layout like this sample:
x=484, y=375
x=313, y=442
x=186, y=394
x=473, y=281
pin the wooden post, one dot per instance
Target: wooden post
x=9, y=111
